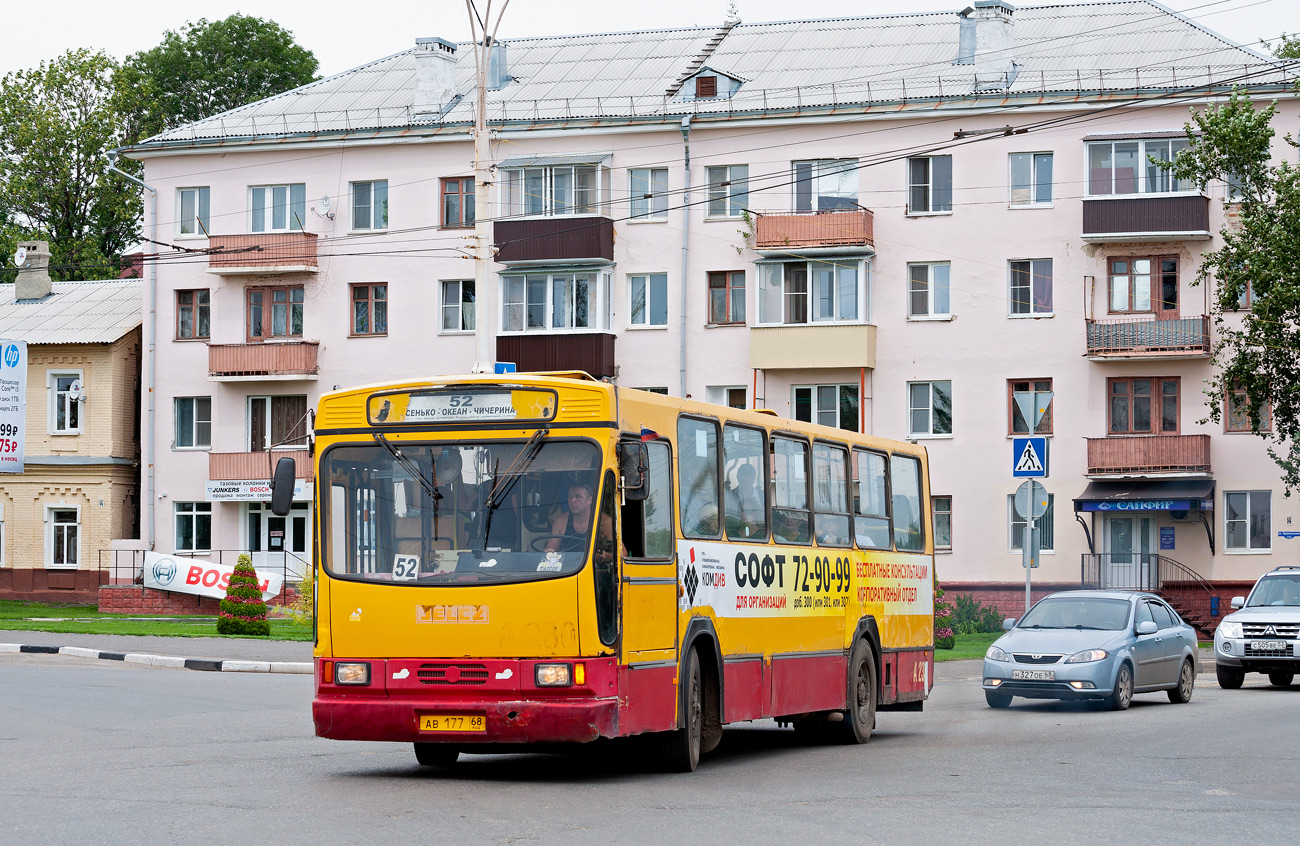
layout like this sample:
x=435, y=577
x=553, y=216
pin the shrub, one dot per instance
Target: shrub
x=303, y=610
x=243, y=611
x=943, y=636
x=970, y=617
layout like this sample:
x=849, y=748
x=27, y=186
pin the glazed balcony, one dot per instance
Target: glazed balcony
x=1149, y=339
x=1149, y=455
x=592, y=352
x=1139, y=219
x=844, y=230
x=262, y=254
x=247, y=466
x=274, y=362
x=542, y=240
x=812, y=345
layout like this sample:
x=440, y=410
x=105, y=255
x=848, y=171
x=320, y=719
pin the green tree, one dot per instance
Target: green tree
x=214, y=66
x=57, y=123
x=1258, y=350
x=243, y=611
x=1288, y=47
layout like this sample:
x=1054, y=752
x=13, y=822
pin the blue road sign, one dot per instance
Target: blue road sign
x=1029, y=458
x=505, y=367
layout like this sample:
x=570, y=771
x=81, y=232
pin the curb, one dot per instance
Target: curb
x=204, y=664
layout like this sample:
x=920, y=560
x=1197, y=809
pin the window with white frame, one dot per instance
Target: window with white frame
x=829, y=405
x=647, y=299
x=820, y=291
x=732, y=396
x=65, y=390
x=648, y=193
x=1125, y=167
x=193, y=526
x=458, y=305
x=277, y=208
x=370, y=204
x=1247, y=520
x=825, y=185
x=728, y=190
x=192, y=211
x=1030, y=287
x=928, y=291
x=560, y=301
x=929, y=184
x=555, y=190
x=62, y=536
x=941, y=511
x=193, y=422
x=1031, y=179
x=1046, y=526
x=929, y=408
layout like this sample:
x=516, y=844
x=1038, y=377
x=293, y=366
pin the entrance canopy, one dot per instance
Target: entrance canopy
x=1164, y=495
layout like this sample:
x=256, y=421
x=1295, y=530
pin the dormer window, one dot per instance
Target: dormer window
x=706, y=86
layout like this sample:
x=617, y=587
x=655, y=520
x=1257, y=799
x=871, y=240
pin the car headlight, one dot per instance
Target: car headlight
x=1230, y=630
x=996, y=654
x=1088, y=656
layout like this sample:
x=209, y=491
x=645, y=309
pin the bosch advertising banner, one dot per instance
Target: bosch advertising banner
x=13, y=404
x=200, y=577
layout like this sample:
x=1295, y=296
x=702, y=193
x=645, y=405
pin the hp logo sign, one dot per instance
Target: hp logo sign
x=11, y=355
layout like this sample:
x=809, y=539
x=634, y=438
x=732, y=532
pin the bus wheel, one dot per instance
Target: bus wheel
x=860, y=718
x=436, y=754
x=680, y=749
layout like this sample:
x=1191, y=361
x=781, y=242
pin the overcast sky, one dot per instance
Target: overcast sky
x=346, y=34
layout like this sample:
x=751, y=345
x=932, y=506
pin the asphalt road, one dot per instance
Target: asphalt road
x=104, y=752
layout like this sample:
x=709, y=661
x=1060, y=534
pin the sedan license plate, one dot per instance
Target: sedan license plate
x=453, y=722
x=1270, y=645
x=1034, y=675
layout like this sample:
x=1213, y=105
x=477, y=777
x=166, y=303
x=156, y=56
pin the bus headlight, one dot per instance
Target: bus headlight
x=553, y=675
x=352, y=672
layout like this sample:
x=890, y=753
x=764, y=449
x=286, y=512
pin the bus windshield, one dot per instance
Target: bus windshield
x=462, y=513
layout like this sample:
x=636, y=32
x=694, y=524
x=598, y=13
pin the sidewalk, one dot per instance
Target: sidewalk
x=197, y=653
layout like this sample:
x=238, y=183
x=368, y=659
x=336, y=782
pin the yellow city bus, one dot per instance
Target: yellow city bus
x=512, y=559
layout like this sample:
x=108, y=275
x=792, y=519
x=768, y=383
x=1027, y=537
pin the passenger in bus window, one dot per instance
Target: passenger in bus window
x=570, y=528
x=744, y=506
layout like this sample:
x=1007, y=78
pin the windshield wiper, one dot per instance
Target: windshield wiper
x=503, y=483
x=411, y=468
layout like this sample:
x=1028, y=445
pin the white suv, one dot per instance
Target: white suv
x=1264, y=636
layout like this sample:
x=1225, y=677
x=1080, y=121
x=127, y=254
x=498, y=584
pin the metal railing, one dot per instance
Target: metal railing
x=292, y=358
x=1138, y=571
x=1149, y=454
x=281, y=249
x=1150, y=337
x=844, y=227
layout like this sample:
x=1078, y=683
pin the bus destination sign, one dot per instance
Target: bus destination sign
x=460, y=406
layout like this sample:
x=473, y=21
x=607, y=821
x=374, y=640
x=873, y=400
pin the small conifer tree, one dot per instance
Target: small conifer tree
x=243, y=611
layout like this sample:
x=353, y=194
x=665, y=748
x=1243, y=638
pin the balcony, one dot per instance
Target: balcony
x=554, y=240
x=1149, y=455
x=812, y=345
x=263, y=255
x=1139, y=219
x=275, y=362
x=845, y=230
x=1148, y=339
x=248, y=466
x=591, y=351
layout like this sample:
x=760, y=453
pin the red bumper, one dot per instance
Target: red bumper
x=525, y=721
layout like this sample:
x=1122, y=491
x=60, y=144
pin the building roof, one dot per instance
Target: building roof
x=73, y=313
x=1101, y=49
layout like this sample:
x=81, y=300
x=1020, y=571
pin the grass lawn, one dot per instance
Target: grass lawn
x=968, y=646
x=86, y=619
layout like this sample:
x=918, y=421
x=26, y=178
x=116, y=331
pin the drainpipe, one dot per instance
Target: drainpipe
x=150, y=340
x=686, y=241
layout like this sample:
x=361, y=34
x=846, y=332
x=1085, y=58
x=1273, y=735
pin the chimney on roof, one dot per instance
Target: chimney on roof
x=435, y=74
x=497, y=75
x=985, y=40
x=33, y=282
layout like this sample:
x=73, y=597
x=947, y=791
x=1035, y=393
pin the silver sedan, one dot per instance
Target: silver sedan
x=1102, y=646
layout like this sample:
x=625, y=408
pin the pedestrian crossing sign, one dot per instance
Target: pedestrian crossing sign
x=1029, y=458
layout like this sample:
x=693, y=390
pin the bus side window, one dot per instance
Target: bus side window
x=744, y=502
x=648, y=525
x=790, y=516
x=905, y=484
x=697, y=477
x=831, y=495
x=871, y=518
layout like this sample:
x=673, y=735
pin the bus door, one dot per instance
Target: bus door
x=650, y=569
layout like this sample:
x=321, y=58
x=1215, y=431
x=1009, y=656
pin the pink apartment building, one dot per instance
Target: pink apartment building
x=887, y=223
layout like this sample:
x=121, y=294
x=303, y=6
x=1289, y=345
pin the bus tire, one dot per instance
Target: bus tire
x=679, y=750
x=436, y=754
x=860, y=718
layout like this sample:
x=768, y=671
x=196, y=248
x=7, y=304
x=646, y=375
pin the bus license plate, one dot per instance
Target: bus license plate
x=1269, y=645
x=1034, y=675
x=453, y=722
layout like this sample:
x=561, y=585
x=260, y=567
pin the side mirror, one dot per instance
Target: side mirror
x=282, y=487
x=1237, y=602
x=1147, y=627
x=633, y=466
x=1008, y=624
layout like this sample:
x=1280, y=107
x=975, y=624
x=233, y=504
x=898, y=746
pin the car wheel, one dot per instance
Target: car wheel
x=1182, y=693
x=1230, y=678
x=1280, y=678
x=436, y=754
x=997, y=700
x=1122, y=696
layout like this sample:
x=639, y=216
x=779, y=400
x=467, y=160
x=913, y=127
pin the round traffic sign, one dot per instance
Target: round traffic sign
x=1028, y=492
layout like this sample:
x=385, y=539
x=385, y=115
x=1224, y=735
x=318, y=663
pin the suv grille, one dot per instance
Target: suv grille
x=1285, y=631
x=452, y=674
x=1036, y=659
